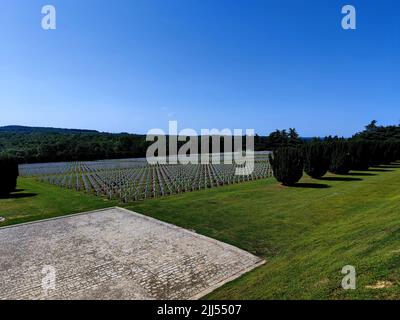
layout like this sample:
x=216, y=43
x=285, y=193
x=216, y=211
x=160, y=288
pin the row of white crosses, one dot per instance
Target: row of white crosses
x=134, y=180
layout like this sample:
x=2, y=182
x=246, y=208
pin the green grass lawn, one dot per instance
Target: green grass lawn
x=34, y=200
x=307, y=234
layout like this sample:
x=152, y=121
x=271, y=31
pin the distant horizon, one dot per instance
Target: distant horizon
x=179, y=129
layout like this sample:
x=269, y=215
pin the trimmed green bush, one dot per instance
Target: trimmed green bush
x=316, y=159
x=340, y=158
x=287, y=165
x=390, y=152
x=361, y=155
x=397, y=151
x=8, y=176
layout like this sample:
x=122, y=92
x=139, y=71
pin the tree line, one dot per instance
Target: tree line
x=292, y=155
x=372, y=147
x=36, y=145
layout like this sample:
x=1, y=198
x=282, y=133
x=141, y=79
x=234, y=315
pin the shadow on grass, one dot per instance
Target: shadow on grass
x=390, y=167
x=361, y=174
x=380, y=170
x=18, y=195
x=394, y=165
x=340, y=179
x=311, y=185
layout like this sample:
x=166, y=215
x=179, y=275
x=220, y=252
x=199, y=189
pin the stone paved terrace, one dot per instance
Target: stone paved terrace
x=114, y=254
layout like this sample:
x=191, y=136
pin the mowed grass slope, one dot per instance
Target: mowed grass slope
x=34, y=201
x=307, y=234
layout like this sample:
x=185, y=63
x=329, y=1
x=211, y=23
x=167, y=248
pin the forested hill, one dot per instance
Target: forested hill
x=24, y=129
x=38, y=144
x=31, y=144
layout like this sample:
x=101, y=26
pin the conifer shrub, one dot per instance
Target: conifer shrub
x=340, y=162
x=316, y=159
x=287, y=165
x=361, y=156
x=8, y=176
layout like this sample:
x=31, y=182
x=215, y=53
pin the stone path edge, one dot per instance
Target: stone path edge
x=58, y=218
x=227, y=280
x=194, y=234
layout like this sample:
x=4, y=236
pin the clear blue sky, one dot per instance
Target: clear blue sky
x=133, y=65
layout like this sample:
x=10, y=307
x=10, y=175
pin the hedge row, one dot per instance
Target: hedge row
x=338, y=157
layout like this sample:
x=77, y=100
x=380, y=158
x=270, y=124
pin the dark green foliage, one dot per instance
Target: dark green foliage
x=373, y=132
x=30, y=145
x=390, y=152
x=374, y=152
x=287, y=165
x=340, y=158
x=316, y=159
x=361, y=155
x=386, y=153
x=282, y=138
x=375, y=157
x=8, y=176
x=25, y=129
x=384, y=142
x=397, y=151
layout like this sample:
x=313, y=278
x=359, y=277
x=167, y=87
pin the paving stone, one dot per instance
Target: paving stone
x=114, y=254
